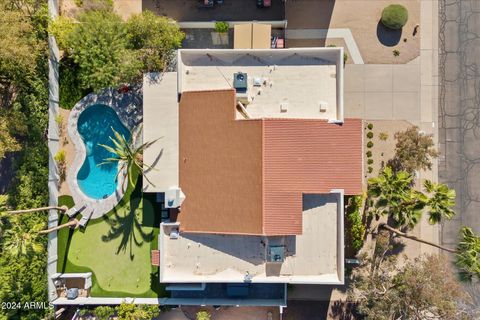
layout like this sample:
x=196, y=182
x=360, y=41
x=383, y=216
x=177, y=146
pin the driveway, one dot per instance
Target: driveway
x=383, y=92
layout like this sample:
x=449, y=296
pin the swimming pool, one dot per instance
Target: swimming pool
x=95, y=127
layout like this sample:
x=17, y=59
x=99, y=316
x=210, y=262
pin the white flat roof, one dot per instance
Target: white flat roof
x=314, y=257
x=302, y=78
x=160, y=120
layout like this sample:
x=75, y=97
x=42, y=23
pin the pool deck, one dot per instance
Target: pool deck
x=128, y=107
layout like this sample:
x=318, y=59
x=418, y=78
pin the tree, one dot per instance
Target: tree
x=392, y=194
x=129, y=156
x=424, y=288
x=155, y=38
x=468, y=256
x=18, y=240
x=103, y=312
x=441, y=201
x=98, y=44
x=414, y=150
x=62, y=209
x=72, y=223
x=130, y=311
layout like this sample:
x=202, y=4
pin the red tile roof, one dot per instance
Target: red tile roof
x=248, y=176
x=306, y=156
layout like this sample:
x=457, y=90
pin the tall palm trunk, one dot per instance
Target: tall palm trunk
x=403, y=234
x=71, y=223
x=62, y=208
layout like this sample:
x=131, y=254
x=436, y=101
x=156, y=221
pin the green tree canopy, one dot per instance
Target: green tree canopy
x=392, y=193
x=98, y=44
x=109, y=51
x=468, y=257
x=154, y=37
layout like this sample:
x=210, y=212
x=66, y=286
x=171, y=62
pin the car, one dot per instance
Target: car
x=264, y=3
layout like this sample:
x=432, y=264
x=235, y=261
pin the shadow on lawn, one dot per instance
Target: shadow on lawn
x=128, y=226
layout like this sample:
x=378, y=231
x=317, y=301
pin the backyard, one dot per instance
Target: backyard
x=116, y=248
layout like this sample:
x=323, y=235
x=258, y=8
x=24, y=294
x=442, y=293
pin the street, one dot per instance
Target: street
x=459, y=111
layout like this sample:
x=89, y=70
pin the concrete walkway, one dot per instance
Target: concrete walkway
x=342, y=33
x=53, y=174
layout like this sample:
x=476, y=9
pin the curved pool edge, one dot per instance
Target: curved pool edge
x=128, y=107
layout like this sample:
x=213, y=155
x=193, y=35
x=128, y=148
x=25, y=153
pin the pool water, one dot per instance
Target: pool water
x=95, y=127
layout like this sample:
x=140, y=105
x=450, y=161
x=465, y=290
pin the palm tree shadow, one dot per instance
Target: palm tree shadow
x=128, y=226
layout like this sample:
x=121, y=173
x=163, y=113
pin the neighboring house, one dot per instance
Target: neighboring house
x=255, y=160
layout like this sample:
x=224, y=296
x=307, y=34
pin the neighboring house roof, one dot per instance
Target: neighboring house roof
x=248, y=176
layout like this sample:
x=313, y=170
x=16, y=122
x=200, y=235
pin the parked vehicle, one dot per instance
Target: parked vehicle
x=264, y=3
x=206, y=4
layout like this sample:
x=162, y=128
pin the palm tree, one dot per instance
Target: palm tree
x=440, y=202
x=127, y=155
x=63, y=209
x=73, y=223
x=392, y=194
x=467, y=252
x=18, y=241
x=408, y=236
x=468, y=256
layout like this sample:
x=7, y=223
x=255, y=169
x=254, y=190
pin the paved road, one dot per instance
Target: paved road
x=459, y=110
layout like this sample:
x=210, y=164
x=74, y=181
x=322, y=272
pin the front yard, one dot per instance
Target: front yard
x=116, y=248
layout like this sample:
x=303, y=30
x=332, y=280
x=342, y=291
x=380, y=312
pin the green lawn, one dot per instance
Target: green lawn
x=116, y=248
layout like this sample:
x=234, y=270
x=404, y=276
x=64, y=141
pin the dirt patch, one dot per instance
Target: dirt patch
x=382, y=150
x=124, y=8
x=362, y=17
x=68, y=8
x=65, y=144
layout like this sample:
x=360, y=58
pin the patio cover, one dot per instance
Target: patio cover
x=252, y=36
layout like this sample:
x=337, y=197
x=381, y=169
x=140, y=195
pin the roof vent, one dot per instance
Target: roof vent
x=240, y=82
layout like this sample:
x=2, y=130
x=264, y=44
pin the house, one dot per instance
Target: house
x=253, y=167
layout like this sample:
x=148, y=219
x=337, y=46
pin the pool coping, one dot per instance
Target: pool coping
x=129, y=109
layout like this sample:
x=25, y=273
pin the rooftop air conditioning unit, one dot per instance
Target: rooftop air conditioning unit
x=240, y=82
x=174, y=197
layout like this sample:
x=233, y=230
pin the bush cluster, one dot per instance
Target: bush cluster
x=394, y=16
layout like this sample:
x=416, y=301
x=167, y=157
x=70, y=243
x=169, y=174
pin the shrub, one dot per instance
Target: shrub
x=370, y=161
x=60, y=156
x=369, y=153
x=370, y=169
x=370, y=126
x=221, y=26
x=70, y=90
x=103, y=312
x=355, y=228
x=370, y=135
x=383, y=136
x=59, y=119
x=369, y=144
x=396, y=53
x=203, y=315
x=394, y=16
x=345, y=57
